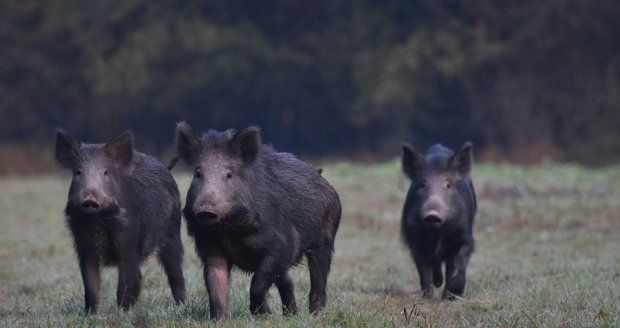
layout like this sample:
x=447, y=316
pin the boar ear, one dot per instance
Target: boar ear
x=463, y=160
x=245, y=144
x=67, y=149
x=188, y=145
x=413, y=162
x=120, y=149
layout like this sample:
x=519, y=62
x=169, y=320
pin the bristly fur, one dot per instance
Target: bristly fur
x=274, y=211
x=450, y=241
x=138, y=214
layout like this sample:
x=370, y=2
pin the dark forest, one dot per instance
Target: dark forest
x=523, y=80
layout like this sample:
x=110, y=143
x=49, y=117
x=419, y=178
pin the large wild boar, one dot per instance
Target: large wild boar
x=122, y=207
x=259, y=210
x=438, y=216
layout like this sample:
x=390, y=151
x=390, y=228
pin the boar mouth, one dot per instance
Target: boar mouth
x=229, y=219
x=433, y=220
x=207, y=218
x=91, y=208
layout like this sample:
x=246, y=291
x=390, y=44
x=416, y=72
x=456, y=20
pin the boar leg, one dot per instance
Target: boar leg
x=262, y=280
x=89, y=267
x=129, y=278
x=258, y=294
x=425, y=272
x=456, y=267
x=287, y=294
x=437, y=275
x=171, y=258
x=319, y=262
x=216, y=275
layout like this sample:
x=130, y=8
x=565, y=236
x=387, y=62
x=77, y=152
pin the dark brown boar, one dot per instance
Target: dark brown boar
x=122, y=207
x=438, y=216
x=259, y=210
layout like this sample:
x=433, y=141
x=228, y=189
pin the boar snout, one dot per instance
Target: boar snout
x=91, y=203
x=435, y=211
x=433, y=219
x=209, y=208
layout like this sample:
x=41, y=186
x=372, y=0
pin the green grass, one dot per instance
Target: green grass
x=548, y=254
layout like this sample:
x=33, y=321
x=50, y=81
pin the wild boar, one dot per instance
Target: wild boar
x=438, y=215
x=122, y=207
x=259, y=210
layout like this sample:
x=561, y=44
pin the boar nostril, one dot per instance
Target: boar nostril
x=90, y=204
x=432, y=219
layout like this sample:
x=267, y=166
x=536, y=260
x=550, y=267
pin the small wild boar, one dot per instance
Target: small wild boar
x=122, y=207
x=259, y=210
x=438, y=215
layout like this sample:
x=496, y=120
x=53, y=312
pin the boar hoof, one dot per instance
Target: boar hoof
x=427, y=292
x=447, y=295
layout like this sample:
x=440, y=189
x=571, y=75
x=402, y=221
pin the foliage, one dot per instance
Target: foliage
x=522, y=79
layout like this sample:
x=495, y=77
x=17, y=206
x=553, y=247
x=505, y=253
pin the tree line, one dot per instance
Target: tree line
x=523, y=80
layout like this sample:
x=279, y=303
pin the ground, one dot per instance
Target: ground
x=548, y=254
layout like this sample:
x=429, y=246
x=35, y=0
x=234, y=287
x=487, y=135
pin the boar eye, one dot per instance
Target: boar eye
x=105, y=172
x=197, y=174
x=228, y=175
x=423, y=184
x=77, y=173
x=448, y=185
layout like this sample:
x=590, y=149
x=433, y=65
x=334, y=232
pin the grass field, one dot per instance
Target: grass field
x=548, y=254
